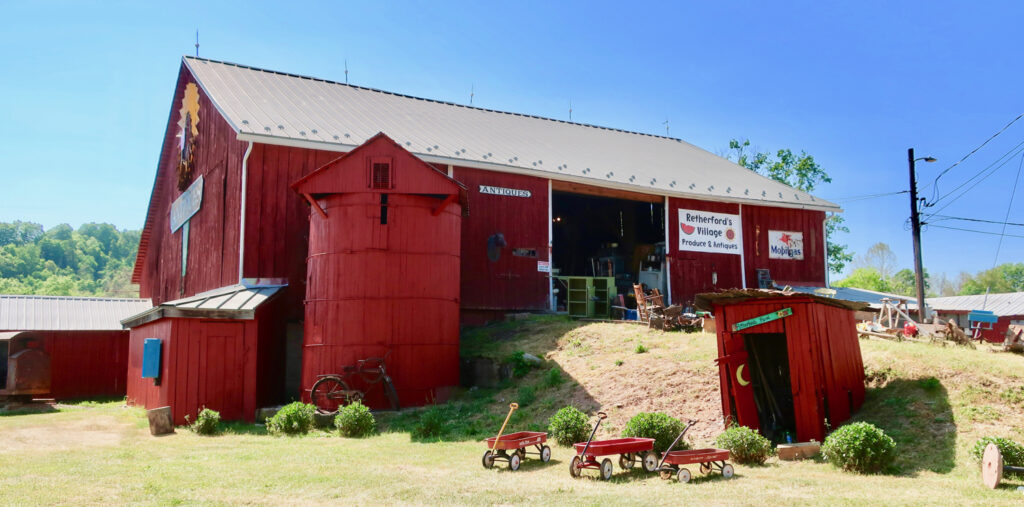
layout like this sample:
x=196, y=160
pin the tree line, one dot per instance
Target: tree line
x=95, y=260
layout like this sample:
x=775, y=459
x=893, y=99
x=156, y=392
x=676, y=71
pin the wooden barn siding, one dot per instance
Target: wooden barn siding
x=86, y=364
x=691, y=272
x=512, y=283
x=277, y=218
x=995, y=335
x=213, y=240
x=205, y=363
x=810, y=270
x=824, y=360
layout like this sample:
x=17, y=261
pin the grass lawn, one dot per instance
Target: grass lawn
x=101, y=452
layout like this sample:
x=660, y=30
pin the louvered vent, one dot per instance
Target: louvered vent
x=381, y=177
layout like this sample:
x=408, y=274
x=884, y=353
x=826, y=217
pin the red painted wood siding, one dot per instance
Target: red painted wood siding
x=213, y=240
x=693, y=272
x=511, y=283
x=205, y=363
x=86, y=364
x=758, y=220
x=825, y=362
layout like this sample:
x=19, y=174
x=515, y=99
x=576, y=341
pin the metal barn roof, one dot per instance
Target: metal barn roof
x=63, y=313
x=230, y=302
x=276, y=108
x=1001, y=304
x=872, y=298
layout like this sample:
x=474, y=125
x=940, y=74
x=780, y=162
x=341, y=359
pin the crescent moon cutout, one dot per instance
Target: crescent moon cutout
x=739, y=376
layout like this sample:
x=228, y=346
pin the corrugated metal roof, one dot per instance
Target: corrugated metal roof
x=64, y=313
x=230, y=302
x=872, y=298
x=704, y=301
x=276, y=108
x=1001, y=304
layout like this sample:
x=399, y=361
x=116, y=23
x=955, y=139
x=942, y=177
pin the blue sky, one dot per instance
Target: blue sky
x=85, y=90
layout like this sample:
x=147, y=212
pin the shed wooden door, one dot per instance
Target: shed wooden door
x=221, y=375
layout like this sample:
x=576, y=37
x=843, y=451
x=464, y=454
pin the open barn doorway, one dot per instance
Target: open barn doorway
x=768, y=357
x=602, y=245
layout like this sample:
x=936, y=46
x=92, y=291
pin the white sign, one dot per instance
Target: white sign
x=786, y=245
x=703, y=231
x=512, y=192
x=187, y=204
x=543, y=267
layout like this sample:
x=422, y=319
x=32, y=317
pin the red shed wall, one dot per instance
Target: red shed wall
x=213, y=240
x=511, y=283
x=86, y=363
x=758, y=220
x=204, y=363
x=691, y=273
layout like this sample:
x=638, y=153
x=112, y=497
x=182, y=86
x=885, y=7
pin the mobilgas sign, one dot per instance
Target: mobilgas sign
x=512, y=192
x=187, y=204
x=703, y=231
x=785, y=245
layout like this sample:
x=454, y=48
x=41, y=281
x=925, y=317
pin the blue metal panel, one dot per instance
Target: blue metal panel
x=151, y=358
x=983, y=316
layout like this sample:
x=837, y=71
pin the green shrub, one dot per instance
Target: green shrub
x=618, y=362
x=859, y=447
x=553, y=378
x=640, y=349
x=661, y=427
x=293, y=419
x=930, y=384
x=527, y=395
x=433, y=423
x=568, y=426
x=207, y=422
x=520, y=366
x=745, y=445
x=355, y=420
x=1013, y=453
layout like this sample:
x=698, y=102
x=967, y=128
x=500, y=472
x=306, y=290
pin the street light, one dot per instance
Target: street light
x=915, y=224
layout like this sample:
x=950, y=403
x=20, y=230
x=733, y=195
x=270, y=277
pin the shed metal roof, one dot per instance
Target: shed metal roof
x=707, y=300
x=872, y=298
x=1008, y=304
x=65, y=313
x=276, y=108
x=230, y=302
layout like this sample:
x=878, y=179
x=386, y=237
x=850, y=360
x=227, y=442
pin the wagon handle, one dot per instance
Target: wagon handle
x=602, y=415
x=511, y=408
x=664, y=456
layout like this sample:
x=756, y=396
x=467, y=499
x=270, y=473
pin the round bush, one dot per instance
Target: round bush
x=207, y=422
x=355, y=420
x=1013, y=453
x=568, y=426
x=433, y=423
x=661, y=427
x=859, y=447
x=745, y=445
x=293, y=419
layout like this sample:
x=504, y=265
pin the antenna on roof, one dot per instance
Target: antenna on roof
x=197, y=43
x=570, y=109
x=665, y=123
x=346, y=71
x=471, y=90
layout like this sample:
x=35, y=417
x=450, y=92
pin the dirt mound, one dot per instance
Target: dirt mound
x=98, y=431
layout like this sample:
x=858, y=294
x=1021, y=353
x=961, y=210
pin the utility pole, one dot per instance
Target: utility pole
x=915, y=225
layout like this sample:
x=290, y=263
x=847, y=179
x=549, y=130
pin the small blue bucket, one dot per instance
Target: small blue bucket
x=631, y=315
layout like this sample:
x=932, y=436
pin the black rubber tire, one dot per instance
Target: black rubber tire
x=488, y=459
x=545, y=454
x=514, y=461
x=606, y=469
x=626, y=461
x=391, y=393
x=321, y=394
x=574, y=470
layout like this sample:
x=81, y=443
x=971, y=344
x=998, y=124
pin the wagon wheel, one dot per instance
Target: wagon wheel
x=574, y=467
x=545, y=454
x=626, y=461
x=606, y=469
x=521, y=453
x=665, y=475
x=488, y=459
x=328, y=394
x=650, y=461
x=514, y=461
x=705, y=468
x=683, y=475
x=728, y=471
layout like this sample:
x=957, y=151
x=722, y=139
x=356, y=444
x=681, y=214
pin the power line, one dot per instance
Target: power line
x=976, y=231
x=868, y=196
x=972, y=152
x=983, y=178
x=947, y=217
x=1009, y=206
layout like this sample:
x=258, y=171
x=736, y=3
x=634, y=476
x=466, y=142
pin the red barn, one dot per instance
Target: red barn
x=1008, y=308
x=544, y=200
x=789, y=363
x=84, y=348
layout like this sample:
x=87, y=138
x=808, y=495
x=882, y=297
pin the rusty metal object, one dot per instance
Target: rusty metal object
x=28, y=372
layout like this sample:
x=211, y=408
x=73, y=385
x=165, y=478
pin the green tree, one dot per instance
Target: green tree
x=1003, y=278
x=904, y=283
x=803, y=173
x=865, y=278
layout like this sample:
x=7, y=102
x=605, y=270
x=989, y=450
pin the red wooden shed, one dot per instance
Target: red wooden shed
x=789, y=363
x=383, y=270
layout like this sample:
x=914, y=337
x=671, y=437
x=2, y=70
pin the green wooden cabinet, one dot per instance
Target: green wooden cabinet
x=589, y=296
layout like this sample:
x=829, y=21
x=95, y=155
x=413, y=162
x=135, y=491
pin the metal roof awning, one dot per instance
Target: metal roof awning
x=706, y=300
x=234, y=302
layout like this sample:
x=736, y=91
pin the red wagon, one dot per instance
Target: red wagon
x=517, y=443
x=709, y=459
x=630, y=451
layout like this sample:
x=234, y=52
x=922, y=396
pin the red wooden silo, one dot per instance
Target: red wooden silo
x=383, y=271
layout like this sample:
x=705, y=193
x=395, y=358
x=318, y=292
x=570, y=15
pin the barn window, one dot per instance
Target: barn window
x=380, y=175
x=383, y=209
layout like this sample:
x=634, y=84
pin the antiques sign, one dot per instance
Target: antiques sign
x=512, y=192
x=785, y=245
x=187, y=204
x=703, y=231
